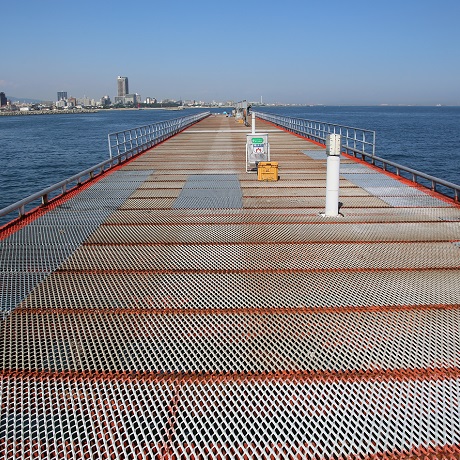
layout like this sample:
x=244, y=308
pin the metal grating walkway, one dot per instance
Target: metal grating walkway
x=180, y=309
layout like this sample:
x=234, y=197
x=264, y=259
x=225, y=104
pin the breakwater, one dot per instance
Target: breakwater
x=46, y=112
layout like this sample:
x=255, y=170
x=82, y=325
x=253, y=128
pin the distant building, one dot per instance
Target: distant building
x=71, y=102
x=3, y=99
x=130, y=99
x=150, y=100
x=86, y=101
x=61, y=95
x=105, y=101
x=133, y=99
x=122, y=84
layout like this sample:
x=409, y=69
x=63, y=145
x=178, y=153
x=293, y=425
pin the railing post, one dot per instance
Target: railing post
x=110, y=146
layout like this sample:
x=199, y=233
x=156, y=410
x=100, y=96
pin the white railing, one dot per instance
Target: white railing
x=441, y=186
x=354, y=140
x=360, y=143
x=144, y=137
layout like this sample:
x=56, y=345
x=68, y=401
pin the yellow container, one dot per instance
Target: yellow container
x=267, y=170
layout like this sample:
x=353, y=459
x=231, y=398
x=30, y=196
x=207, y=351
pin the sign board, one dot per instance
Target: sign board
x=257, y=150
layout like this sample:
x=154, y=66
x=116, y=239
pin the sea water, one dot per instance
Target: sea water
x=37, y=151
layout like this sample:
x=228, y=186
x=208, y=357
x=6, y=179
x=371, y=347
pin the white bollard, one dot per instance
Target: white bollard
x=332, y=175
x=253, y=123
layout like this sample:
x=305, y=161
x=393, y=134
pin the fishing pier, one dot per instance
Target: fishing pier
x=173, y=306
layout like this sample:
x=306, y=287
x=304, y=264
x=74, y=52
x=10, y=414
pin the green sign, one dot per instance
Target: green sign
x=257, y=140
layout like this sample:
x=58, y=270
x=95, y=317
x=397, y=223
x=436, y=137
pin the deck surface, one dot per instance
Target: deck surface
x=180, y=308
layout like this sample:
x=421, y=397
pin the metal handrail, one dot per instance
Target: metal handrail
x=94, y=171
x=413, y=175
x=353, y=139
x=354, y=143
x=144, y=137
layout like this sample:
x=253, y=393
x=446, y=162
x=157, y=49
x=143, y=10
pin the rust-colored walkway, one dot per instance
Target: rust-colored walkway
x=179, y=308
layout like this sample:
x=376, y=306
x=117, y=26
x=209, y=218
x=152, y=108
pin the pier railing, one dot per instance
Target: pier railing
x=144, y=137
x=433, y=183
x=354, y=140
x=125, y=145
x=360, y=143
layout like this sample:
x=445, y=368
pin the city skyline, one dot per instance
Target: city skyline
x=365, y=54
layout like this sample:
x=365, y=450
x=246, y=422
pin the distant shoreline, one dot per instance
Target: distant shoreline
x=13, y=113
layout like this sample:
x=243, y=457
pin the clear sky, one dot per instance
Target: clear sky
x=299, y=51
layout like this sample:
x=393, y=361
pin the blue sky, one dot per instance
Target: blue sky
x=313, y=52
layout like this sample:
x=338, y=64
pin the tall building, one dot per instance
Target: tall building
x=3, y=99
x=122, y=86
x=61, y=95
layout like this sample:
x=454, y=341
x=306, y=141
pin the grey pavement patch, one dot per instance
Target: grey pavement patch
x=210, y=191
x=316, y=154
x=28, y=256
x=392, y=191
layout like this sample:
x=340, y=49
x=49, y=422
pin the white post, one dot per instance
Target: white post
x=332, y=175
x=253, y=123
x=110, y=148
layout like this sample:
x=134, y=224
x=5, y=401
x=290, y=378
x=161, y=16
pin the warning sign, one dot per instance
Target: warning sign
x=258, y=149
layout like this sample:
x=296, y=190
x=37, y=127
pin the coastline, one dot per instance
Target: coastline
x=13, y=113
x=111, y=109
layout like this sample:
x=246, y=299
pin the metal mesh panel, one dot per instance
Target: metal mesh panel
x=148, y=203
x=250, y=192
x=14, y=287
x=162, y=418
x=210, y=191
x=39, y=258
x=83, y=418
x=241, y=341
x=395, y=191
x=318, y=154
x=392, y=191
x=174, y=184
x=312, y=180
x=240, y=409
x=156, y=193
x=351, y=168
x=61, y=217
x=250, y=257
x=280, y=215
x=312, y=202
x=372, y=179
x=208, y=202
x=288, y=290
x=34, y=251
x=314, y=232
x=418, y=201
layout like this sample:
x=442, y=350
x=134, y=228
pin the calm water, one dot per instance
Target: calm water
x=38, y=151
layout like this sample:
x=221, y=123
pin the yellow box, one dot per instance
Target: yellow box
x=267, y=170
